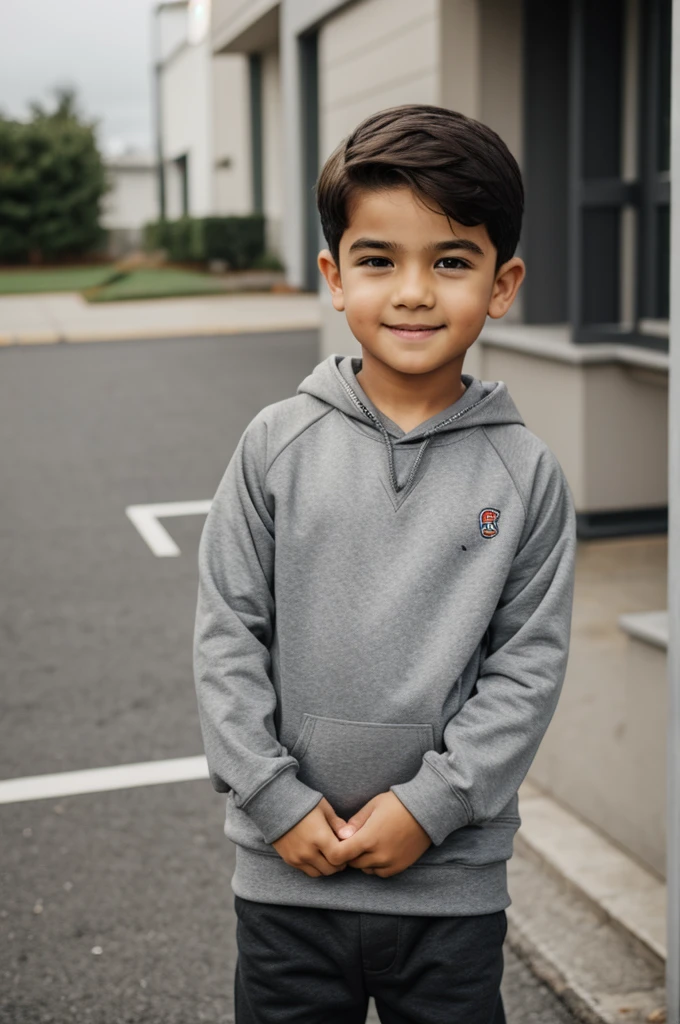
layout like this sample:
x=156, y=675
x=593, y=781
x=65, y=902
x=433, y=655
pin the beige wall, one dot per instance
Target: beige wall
x=133, y=200
x=626, y=424
x=500, y=63
x=231, y=132
x=480, y=55
x=372, y=55
x=272, y=117
x=604, y=754
x=607, y=424
x=187, y=119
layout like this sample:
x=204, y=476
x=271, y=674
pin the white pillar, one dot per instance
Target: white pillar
x=293, y=212
x=673, y=785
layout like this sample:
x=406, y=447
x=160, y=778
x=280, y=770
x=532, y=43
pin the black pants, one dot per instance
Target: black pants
x=305, y=965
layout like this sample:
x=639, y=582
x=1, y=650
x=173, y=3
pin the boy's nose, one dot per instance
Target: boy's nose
x=412, y=291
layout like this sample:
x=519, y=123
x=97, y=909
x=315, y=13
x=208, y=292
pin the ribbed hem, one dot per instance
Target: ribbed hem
x=435, y=890
x=281, y=804
x=432, y=803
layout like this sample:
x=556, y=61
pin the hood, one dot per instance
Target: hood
x=484, y=403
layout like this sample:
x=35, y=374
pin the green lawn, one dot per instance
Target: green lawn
x=164, y=282
x=66, y=279
x=156, y=284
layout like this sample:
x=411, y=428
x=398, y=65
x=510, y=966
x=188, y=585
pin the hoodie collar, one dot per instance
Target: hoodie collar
x=484, y=402
x=350, y=366
x=334, y=381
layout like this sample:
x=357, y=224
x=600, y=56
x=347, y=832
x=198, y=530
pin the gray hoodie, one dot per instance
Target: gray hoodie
x=382, y=610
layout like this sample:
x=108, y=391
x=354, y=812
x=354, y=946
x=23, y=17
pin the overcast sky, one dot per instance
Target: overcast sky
x=101, y=47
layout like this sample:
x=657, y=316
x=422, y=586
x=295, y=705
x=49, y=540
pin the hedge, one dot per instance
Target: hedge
x=52, y=182
x=240, y=241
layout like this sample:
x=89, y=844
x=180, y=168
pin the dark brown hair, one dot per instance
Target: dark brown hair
x=442, y=156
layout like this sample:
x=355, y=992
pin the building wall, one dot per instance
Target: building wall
x=372, y=55
x=230, y=18
x=187, y=123
x=171, y=29
x=231, y=134
x=133, y=200
x=604, y=753
x=272, y=117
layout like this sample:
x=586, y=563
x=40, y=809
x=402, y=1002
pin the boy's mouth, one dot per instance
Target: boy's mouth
x=413, y=332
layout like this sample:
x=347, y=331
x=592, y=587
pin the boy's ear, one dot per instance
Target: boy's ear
x=508, y=279
x=331, y=272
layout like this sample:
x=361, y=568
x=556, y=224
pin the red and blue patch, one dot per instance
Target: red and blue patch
x=488, y=522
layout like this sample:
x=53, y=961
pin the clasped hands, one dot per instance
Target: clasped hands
x=382, y=838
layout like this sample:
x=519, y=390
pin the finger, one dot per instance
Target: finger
x=307, y=869
x=323, y=866
x=370, y=860
x=331, y=848
x=334, y=820
x=361, y=842
x=357, y=820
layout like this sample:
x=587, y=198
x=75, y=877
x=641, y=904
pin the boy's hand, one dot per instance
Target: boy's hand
x=387, y=838
x=309, y=844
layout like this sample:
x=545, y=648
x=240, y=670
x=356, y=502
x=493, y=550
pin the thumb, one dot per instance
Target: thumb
x=356, y=821
x=334, y=820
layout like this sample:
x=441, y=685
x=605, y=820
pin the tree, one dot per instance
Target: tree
x=52, y=182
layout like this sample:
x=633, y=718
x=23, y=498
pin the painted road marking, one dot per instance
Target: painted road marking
x=145, y=519
x=99, y=780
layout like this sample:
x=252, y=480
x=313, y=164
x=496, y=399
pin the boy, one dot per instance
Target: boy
x=386, y=579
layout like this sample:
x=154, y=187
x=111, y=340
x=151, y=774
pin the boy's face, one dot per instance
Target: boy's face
x=415, y=287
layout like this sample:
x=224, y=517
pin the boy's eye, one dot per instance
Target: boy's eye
x=453, y=263
x=375, y=261
x=446, y=262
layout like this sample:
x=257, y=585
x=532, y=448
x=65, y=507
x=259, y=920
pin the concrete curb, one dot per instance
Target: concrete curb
x=153, y=334
x=586, y=918
x=548, y=968
x=631, y=897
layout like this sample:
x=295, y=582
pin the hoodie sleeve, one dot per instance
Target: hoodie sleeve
x=492, y=740
x=232, y=638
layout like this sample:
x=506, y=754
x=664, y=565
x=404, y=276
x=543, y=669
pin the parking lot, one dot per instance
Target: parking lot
x=116, y=904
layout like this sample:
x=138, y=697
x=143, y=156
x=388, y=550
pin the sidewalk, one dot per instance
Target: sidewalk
x=588, y=919
x=67, y=317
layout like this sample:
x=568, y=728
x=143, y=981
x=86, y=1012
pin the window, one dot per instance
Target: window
x=597, y=149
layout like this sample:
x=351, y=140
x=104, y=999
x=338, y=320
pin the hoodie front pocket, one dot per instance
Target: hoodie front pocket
x=351, y=762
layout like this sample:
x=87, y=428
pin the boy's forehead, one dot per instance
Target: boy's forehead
x=401, y=216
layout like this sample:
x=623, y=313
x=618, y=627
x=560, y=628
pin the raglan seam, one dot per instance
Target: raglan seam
x=323, y=412
x=508, y=471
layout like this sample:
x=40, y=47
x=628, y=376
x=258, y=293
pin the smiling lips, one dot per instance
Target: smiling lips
x=413, y=332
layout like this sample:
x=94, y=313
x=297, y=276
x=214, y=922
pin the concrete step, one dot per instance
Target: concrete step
x=587, y=919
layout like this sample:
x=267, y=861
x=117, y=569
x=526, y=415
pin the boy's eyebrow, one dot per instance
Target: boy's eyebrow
x=454, y=243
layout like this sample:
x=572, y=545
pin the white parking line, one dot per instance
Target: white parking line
x=145, y=519
x=99, y=780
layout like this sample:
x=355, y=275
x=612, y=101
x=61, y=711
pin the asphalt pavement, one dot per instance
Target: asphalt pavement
x=116, y=906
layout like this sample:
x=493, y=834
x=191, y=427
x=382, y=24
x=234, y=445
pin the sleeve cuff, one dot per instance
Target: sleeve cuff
x=280, y=804
x=432, y=803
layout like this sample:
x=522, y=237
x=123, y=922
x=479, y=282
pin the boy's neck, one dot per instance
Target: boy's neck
x=410, y=399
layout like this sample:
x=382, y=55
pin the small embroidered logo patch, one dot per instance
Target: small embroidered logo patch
x=488, y=522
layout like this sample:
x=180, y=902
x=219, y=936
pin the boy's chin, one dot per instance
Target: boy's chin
x=423, y=360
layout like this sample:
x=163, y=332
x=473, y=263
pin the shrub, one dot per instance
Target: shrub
x=237, y=240
x=52, y=182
